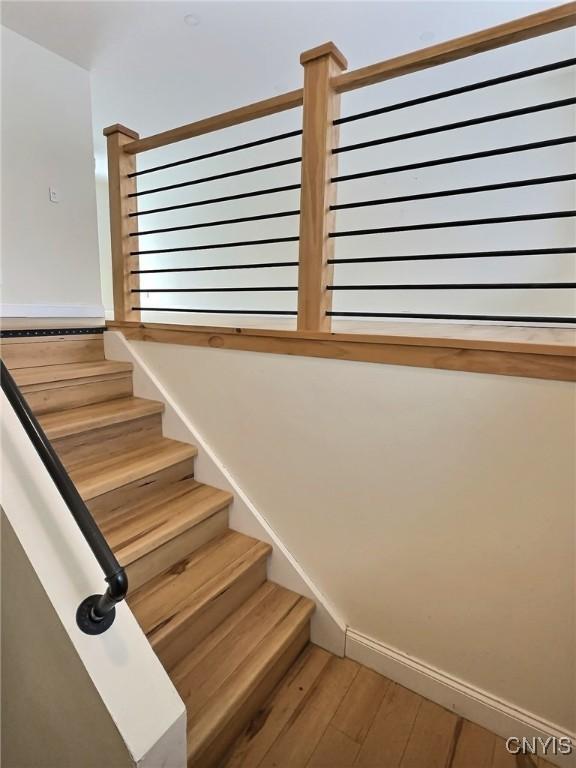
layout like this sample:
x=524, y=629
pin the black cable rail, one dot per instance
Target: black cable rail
x=460, y=223
x=372, y=287
x=449, y=286
x=457, y=91
x=234, y=289
x=96, y=613
x=408, y=315
x=458, y=191
x=217, y=311
x=218, y=176
x=460, y=255
x=263, y=265
x=434, y=316
x=458, y=158
x=220, y=222
x=218, y=152
x=224, y=199
x=213, y=246
x=366, y=260
x=455, y=126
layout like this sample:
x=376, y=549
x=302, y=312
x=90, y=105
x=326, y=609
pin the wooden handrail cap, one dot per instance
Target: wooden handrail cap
x=117, y=128
x=326, y=49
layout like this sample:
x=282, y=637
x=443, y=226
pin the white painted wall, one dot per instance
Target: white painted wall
x=115, y=677
x=44, y=683
x=434, y=509
x=50, y=262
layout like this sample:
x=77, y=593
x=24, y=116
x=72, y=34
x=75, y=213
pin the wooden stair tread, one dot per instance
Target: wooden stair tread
x=168, y=601
x=225, y=635
x=74, y=420
x=44, y=374
x=111, y=466
x=218, y=684
x=134, y=531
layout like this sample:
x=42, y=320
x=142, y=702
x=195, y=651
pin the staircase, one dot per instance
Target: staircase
x=225, y=634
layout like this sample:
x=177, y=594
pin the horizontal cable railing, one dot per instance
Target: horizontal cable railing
x=458, y=158
x=96, y=613
x=461, y=223
x=454, y=316
x=219, y=223
x=218, y=176
x=218, y=153
x=442, y=256
x=411, y=226
x=206, y=311
x=455, y=126
x=455, y=192
x=458, y=91
x=217, y=267
x=224, y=199
x=212, y=246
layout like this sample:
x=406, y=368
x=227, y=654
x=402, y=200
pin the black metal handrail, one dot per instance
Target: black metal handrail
x=96, y=613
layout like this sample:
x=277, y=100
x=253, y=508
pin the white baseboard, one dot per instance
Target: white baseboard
x=469, y=702
x=52, y=310
x=328, y=630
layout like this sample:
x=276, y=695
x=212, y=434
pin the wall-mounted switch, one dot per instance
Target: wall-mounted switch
x=54, y=195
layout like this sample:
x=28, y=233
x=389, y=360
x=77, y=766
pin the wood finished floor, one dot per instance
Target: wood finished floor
x=334, y=713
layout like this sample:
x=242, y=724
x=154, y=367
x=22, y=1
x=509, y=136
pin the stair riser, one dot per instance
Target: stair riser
x=128, y=434
x=212, y=755
x=132, y=493
x=31, y=352
x=58, y=396
x=196, y=627
x=167, y=555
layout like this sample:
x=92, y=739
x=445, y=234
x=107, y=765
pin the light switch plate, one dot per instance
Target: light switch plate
x=54, y=195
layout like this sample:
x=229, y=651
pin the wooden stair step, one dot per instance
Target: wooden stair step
x=73, y=421
x=151, y=536
x=60, y=387
x=47, y=374
x=226, y=679
x=32, y=351
x=112, y=466
x=180, y=607
x=133, y=531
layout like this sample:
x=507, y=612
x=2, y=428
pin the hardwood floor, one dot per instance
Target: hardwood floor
x=334, y=713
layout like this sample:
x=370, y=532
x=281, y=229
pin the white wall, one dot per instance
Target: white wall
x=44, y=683
x=434, y=509
x=50, y=260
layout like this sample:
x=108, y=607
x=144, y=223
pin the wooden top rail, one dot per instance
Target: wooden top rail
x=551, y=20
x=225, y=120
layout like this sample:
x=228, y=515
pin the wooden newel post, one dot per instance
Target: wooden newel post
x=120, y=164
x=320, y=136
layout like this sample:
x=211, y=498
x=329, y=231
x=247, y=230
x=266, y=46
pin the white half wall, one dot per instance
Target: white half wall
x=433, y=509
x=50, y=260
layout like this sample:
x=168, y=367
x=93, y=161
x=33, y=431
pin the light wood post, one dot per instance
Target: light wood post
x=319, y=137
x=120, y=164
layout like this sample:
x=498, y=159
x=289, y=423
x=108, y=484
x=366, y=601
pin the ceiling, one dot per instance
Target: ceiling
x=86, y=32
x=155, y=65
